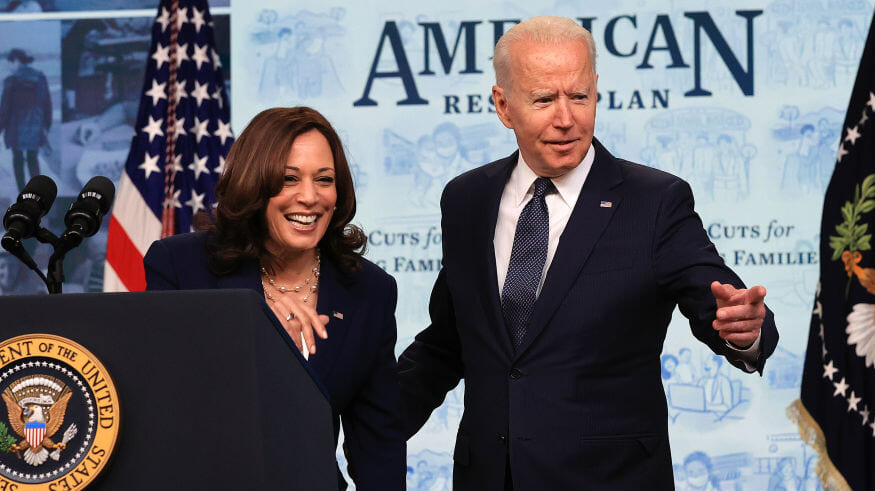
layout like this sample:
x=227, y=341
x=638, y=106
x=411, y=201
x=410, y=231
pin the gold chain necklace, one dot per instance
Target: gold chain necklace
x=307, y=288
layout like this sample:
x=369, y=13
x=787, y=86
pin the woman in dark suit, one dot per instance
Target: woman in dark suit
x=283, y=228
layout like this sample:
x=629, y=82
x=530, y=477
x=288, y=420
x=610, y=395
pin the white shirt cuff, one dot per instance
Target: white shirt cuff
x=749, y=355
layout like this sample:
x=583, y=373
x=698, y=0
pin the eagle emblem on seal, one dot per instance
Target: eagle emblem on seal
x=36, y=406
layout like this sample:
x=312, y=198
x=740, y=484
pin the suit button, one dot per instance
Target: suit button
x=515, y=374
x=503, y=440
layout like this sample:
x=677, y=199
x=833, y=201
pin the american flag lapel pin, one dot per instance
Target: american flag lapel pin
x=605, y=204
x=337, y=314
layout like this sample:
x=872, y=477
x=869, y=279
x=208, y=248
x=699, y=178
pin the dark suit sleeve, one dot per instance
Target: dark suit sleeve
x=431, y=366
x=687, y=262
x=160, y=271
x=372, y=428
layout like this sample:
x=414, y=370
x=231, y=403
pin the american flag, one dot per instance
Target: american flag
x=182, y=136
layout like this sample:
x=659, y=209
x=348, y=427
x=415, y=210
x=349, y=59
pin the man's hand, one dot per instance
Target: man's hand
x=740, y=313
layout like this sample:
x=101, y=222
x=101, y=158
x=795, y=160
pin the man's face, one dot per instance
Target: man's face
x=550, y=104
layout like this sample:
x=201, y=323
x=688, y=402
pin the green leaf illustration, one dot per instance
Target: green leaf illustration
x=852, y=234
x=6, y=440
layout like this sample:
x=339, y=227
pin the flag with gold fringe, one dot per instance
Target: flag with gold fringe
x=836, y=410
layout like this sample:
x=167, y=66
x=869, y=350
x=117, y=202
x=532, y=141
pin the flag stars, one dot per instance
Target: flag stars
x=150, y=165
x=829, y=370
x=161, y=55
x=180, y=91
x=220, y=169
x=196, y=202
x=818, y=309
x=182, y=54
x=181, y=18
x=853, y=400
x=863, y=117
x=865, y=414
x=223, y=131
x=197, y=18
x=163, y=19
x=173, y=202
x=852, y=135
x=154, y=128
x=157, y=92
x=200, y=56
x=842, y=152
x=199, y=166
x=871, y=102
x=180, y=126
x=177, y=163
x=200, y=128
x=841, y=387
x=217, y=95
x=200, y=92
x=217, y=61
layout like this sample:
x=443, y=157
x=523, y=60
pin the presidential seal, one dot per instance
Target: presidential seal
x=59, y=416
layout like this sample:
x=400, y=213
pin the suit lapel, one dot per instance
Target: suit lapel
x=336, y=302
x=483, y=233
x=585, y=226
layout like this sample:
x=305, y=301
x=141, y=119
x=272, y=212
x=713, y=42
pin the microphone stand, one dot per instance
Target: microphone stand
x=61, y=245
x=13, y=245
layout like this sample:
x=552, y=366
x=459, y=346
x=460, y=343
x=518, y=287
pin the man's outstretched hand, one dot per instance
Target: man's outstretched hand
x=740, y=313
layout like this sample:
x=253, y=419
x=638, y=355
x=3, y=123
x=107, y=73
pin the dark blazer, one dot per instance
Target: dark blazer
x=580, y=405
x=356, y=363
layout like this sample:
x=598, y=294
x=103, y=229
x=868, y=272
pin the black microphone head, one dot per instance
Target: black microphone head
x=101, y=189
x=22, y=218
x=84, y=216
x=41, y=189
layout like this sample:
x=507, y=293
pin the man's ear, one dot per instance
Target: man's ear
x=500, y=100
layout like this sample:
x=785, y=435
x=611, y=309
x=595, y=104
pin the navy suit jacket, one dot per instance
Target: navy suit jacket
x=356, y=363
x=580, y=404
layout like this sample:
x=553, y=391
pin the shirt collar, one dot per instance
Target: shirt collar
x=568, y=185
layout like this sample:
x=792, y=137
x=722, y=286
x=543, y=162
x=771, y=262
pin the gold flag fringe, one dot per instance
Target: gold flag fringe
x=830, y=477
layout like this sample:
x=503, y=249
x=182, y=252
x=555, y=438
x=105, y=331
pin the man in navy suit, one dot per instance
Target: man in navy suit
x=562, y=267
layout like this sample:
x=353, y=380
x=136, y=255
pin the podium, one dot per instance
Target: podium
x=212, y=392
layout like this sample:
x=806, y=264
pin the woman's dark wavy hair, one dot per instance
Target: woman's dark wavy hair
x=254, y=173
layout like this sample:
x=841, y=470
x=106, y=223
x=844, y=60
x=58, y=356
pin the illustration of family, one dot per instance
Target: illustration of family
x=704, y=389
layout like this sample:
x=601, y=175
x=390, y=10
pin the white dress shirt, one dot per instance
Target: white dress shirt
x=560, y=203
x=519, y=190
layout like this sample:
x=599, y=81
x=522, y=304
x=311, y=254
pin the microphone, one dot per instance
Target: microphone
x=22, y=218
x=84, y=216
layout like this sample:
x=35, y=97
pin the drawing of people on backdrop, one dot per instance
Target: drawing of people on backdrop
x=698, y=472
x=784, y=477
x=25, y=114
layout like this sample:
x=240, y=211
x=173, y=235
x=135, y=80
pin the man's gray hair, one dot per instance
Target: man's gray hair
x=545, y=29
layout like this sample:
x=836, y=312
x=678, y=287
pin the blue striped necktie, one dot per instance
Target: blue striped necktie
x=527, y=258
